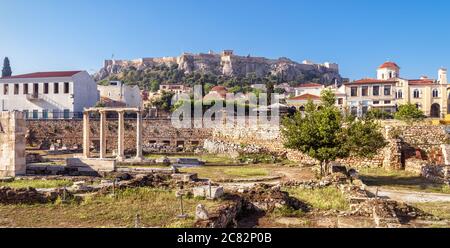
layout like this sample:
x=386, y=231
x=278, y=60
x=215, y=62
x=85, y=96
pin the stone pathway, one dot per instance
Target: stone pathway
x=409, y=196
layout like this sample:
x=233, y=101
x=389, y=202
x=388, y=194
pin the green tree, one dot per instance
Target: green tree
x=6, y=71
x=326, y=134
x=270, y=91
x=409, y=112
x=154, y=86
x=164, y=102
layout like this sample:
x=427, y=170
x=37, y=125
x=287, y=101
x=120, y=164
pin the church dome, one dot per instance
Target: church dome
x=389, y=65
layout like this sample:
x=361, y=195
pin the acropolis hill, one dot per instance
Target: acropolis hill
x=228, y=64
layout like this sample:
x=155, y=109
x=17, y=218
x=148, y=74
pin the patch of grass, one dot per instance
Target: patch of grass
x=400, y=180
x=37, y=184
x=438, y=209
x=207, y=158
x=287, y=211
x=329, y=198
x=156, y=207
x=228, y=172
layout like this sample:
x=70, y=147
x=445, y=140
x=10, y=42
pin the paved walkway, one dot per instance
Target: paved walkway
x=410, y=196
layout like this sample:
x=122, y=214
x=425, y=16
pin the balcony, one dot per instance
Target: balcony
x=34, y=97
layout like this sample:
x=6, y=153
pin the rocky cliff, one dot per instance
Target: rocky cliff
x=228, y=64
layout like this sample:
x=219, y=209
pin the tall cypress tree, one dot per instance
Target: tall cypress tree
x=6, y=72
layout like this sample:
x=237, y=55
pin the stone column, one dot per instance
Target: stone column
x=86, y=135
x=121, y=133
x=139, y=156
x=102, y=134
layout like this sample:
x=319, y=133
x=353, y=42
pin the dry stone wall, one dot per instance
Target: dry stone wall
x=43, y=133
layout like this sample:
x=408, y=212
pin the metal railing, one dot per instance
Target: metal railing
x=51, y=115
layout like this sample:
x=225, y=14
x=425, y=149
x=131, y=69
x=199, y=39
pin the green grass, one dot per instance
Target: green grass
x=38, y=184
x=228, y=172
x=157, y=208
x=438, y=209
x=208, y=158
x=400, y=180
x=329, y=198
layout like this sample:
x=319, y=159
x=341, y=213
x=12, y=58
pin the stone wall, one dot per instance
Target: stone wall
x=12, y=144
x=43, y=133
x=402, y=142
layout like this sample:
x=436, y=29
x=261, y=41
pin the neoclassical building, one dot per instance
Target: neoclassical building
x=389, y=90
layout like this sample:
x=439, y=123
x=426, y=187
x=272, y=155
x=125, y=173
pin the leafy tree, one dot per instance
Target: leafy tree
x=154, y=86
x=270, y=91
x=409, y=112
x=326, y=134
x=164, y=102
x=6, y=71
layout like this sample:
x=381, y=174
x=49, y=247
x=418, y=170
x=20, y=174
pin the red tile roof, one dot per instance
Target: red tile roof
x=49, y=74
x=310, y=85
x=305, y=97
x=372, y=81
x=219, y=88
x=420, y=81
x=390, y=65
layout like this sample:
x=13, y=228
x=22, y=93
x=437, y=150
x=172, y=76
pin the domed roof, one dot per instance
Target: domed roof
x=389, y=65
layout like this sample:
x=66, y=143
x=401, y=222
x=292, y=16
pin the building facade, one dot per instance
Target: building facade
x=116, y=91
x=49, y=95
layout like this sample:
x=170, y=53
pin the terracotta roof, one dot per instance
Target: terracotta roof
x=218, y=88
x=372, y=81
x=420, y=81
x=310, y=85
x=49, y=74
x=305, y=97
x=389, y=65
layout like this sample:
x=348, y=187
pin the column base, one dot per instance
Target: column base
x=120, y=158
x=138, y=159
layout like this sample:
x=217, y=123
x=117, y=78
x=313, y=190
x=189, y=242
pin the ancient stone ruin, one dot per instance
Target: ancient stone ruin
x=12, y=144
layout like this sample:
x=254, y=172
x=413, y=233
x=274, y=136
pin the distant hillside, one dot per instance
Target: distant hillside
x=216, y=69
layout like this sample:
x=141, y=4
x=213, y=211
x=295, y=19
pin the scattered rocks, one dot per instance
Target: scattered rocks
x=209, y=192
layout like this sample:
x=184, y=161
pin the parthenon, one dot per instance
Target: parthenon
x=121, y=131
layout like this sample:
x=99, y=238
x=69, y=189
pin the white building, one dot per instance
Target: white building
x=52, y=95
x=309, y=88
x=119, y=92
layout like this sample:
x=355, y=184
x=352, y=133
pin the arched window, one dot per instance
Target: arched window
x=435, y=93
x=390, y=74
x=416, y=93
x=399, y=94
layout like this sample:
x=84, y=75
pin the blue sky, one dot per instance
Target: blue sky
x=358, y=34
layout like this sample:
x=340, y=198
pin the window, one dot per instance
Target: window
x=66, y=113
x=340, y=101
x=45, y=114
x=25, y=114
x=387, y=90
x=387, y=102
x=45, y=88
x=376, y=102
x=399, y=94
x=35, y=114
x=376, y=90
x=416, y=93
x=365, y=91
x=66, y=88
x=5, y=89
x=354, y=91
x=435, y=93
x=55, y=114
x=25, y=89
x=56, y=88
x=16, y=89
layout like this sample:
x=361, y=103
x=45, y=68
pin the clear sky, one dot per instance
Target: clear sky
x=358, y=34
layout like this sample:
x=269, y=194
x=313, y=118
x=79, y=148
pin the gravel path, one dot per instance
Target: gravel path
x=409, y=196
